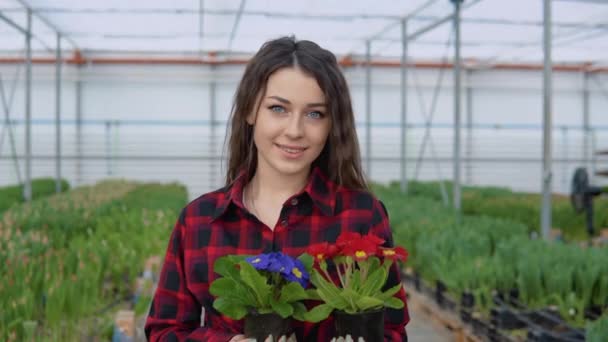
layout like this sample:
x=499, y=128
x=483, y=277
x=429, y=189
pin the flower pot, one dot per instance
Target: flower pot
x=505, y=319
x=439, y=290
x=369, y=325
x=259, y=326
x=467, y=300
x=417, y=281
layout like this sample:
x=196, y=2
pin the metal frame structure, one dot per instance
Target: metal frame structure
x=405, y=65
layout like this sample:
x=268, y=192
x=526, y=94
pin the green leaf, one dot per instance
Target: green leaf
x=307, y=260
x=233, y=290
x=226, y=267
x=374, y=282
x=229, y=308
x=328, y=292
x=366, y=303
x=352, y=297
x=283, y=309
x=318, y=313
x=223, y=287
x=355, y=280
x=374, y=263
x=256, y=282
x=394, y=303
x=312, y=294
x=299, y=310
x=389, y=293
x=293, y=292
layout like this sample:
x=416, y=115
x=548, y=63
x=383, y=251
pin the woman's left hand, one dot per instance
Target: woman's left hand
x=348, y=338
x=291, y=338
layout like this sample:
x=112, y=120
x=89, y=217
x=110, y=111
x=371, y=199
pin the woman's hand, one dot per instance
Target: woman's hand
x=348, y=338
x=243, y=338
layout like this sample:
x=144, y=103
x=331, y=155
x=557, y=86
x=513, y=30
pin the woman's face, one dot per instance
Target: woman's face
x=292, y=123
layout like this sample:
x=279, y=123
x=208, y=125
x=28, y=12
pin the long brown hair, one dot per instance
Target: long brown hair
x=340, y=159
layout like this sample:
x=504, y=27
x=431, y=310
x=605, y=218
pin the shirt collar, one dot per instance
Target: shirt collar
x=319, y=188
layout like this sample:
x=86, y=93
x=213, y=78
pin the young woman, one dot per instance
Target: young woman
x=294, y=179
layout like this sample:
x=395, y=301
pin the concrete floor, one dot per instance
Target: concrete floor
x=421, y=329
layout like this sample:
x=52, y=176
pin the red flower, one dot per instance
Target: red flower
x=374, y=239
x=346, y=237
x=360, y=249
x=321, y=251
x=397, y=253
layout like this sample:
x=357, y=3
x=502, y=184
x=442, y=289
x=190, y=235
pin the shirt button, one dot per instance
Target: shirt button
x=284, y=223
x=294, y=201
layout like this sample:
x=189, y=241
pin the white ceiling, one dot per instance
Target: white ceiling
x=496, y=30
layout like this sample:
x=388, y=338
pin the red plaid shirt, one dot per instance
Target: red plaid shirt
x=218, y=224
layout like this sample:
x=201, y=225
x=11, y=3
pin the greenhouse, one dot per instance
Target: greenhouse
x=480, y=127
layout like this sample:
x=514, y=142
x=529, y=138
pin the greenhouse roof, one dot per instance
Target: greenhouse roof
x=493, y=31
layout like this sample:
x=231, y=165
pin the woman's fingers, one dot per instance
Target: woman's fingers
x=348, y=338
x=240, y=338
x=291, y=338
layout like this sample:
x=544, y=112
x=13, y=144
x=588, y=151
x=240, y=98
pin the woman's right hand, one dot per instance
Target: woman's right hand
x=242, y=338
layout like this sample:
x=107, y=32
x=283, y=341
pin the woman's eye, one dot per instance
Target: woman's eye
x=315, y=115
x=277, y=109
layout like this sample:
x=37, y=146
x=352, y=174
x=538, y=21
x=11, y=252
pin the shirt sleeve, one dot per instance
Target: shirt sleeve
x=175, y=312
x=394, y=320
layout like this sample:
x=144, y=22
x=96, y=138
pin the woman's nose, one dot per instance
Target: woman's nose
x=294, y=127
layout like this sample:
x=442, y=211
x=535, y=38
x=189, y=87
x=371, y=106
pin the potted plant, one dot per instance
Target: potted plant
x=348, y=278
x=266, y=290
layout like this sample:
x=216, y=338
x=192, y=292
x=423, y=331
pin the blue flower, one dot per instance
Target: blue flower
x=280, y=263
x=259, y=262
x=291, y=269
x=298, y=273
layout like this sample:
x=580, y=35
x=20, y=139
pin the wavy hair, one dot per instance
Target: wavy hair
x=340, y=159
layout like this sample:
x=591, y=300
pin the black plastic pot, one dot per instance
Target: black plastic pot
x=480, y=328
x=506, y=319
x=439, y=290
x=467, y=299
x=514, y=294
x=541, y=335
x=259, y=326
x=369, y=325
x=467, y=303
x=593, y=313
x=546, y=326
x=417, y=281
x=465, y=315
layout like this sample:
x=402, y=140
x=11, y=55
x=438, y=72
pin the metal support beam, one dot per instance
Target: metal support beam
x=428, y=119
x=49, y=24
x=23, y=30
x=235, y=27
x=58, y=115
x=78, y=166
x=413, y=13
x=586, y=127
x=7, y=104
x=27, y=187
x=404, y=106
x=547, y=174
x=213, y=123
x=368, y=109
x=13, y=24
x=441, y=21
x=469, y=145
x=456, y=180
x=201, y=9
x=108, y=146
